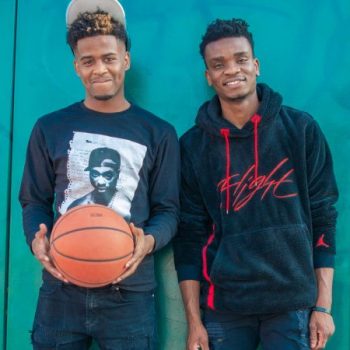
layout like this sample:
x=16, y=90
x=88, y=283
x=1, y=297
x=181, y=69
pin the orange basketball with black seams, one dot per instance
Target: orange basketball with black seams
x=90, y=245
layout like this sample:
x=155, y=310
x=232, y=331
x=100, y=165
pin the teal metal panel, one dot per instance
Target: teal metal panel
x=302, y=51
x=44, y=82
x=7, y=30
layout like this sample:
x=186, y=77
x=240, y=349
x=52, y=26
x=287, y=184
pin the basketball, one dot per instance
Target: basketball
x=90, y=245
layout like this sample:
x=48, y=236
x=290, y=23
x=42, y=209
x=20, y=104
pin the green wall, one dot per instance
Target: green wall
x=7, y=35
x=304, y=54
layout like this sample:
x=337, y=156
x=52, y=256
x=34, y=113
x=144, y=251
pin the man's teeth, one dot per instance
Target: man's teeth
x=235, y=82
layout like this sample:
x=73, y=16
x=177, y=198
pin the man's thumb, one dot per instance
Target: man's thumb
x=42, y=231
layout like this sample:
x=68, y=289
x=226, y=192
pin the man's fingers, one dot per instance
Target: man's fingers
x=203, y=345
x=137, y=233
x=43, y=258
x=138, y=252
x=131, y=261
x=321, y=340
x=41, y=234
x=321, y=328
x=126, y=274
x=40, y=244
x=53, y=271
x=40, y=248
x=131, y=267
x=199, y=346
x=42, y=231
x=138, y=255
x=42, y=227
x=313, y=337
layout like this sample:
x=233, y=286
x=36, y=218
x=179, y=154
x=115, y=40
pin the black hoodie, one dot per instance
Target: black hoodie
x=257, y=208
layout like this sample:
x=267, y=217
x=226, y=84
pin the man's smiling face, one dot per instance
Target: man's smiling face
x=231, y=68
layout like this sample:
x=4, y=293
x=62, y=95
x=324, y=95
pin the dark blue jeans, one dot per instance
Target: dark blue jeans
x=284, y=331
x=70, y=317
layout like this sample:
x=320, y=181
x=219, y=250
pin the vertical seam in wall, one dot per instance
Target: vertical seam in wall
x=9, y=183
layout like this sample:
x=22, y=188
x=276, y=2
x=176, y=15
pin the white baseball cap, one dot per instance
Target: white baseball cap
x=113, y=7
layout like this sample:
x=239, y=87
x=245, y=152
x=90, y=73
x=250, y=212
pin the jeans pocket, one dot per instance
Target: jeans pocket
x=216, y=334
x=132, y=297
x=128, y=343
x=303, y=316
x=49, y=288
x=50, y=310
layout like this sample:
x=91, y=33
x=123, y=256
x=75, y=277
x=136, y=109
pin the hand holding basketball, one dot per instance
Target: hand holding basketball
x=144, y=245
x=41, y=247
x=90, y=245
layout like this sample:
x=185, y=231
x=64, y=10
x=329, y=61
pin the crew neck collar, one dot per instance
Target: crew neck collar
x=103, y=114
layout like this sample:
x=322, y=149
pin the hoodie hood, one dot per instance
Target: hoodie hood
x=210, y=117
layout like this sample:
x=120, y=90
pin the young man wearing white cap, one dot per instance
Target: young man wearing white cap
x=121, y=315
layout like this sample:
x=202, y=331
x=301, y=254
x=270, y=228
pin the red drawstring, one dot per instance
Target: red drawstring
x=225, y=133
x=256, y=119
x=211, y=292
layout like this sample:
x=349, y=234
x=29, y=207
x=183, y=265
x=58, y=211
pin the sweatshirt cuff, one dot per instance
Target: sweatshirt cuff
x=323, y=259
x=157, y=240
x=188, y=272
x=162, y=233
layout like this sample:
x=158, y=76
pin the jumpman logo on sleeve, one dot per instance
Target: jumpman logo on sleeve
x=321, y=242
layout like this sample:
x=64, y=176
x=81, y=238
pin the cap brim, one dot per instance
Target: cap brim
x=113, y=7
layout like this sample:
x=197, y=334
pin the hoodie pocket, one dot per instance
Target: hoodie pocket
x=274, y=258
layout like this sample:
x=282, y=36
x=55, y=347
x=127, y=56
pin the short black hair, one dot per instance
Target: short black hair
x=96, y=23
x=220, y=29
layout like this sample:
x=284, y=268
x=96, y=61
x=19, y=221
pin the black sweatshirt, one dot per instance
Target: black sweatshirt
x=67, y=145
x=257, y=208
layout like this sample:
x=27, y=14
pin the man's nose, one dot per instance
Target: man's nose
x=99, y=67
x=232, y=68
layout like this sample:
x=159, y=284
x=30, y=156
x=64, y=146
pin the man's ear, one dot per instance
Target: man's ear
x=127, y=60
x=257, y=67
x=76, y=67
x=207, y=76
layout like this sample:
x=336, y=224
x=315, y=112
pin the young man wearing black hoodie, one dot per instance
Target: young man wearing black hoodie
x=256, y=245
x=136, y=154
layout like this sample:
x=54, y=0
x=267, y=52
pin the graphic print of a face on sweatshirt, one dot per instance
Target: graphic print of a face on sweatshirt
x=102, y=170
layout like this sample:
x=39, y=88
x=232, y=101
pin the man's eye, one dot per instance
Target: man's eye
x=242, y=60
x=218, y=65
x=94, y=173
x=87, y=63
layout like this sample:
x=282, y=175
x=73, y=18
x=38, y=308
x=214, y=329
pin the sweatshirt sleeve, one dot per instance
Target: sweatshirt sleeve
x=37, y=188
x=194, y=225
x=164, y=192
x=323, y=195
